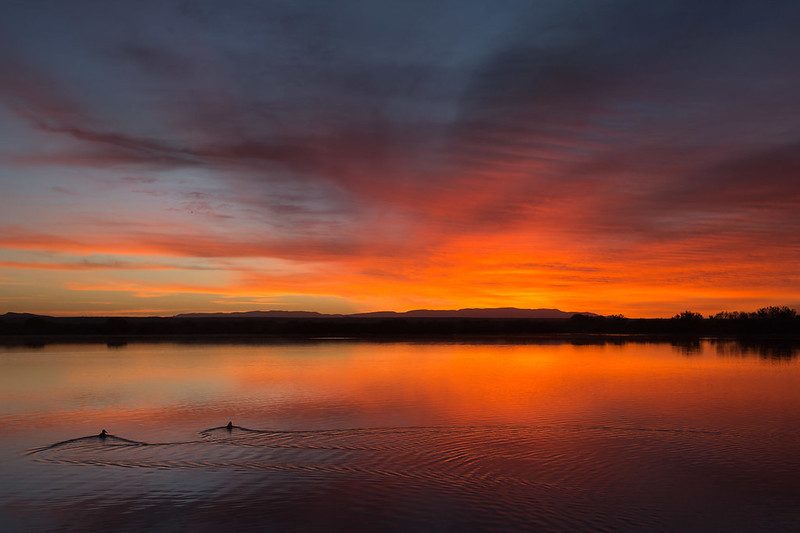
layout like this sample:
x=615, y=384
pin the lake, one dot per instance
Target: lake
x=344, y=435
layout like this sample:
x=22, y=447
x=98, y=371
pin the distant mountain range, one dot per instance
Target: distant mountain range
x=497, y=312
x=21, y=316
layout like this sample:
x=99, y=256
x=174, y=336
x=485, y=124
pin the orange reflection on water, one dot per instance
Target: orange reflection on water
x=627, y=436
x=179, y=389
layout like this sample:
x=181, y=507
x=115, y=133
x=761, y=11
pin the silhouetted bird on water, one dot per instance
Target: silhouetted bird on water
x=103, y=435
x=229, y=427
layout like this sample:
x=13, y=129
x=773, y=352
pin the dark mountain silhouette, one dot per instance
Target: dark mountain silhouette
x=499, y=312
x=257, y=314
x=21, y=316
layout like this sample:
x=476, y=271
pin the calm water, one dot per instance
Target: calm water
x=351, y=435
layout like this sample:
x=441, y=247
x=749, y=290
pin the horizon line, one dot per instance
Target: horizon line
x=365, y=314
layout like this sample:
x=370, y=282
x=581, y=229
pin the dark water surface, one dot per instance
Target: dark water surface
x=400, y=436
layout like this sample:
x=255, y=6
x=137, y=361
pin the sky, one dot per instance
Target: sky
x=610, y=156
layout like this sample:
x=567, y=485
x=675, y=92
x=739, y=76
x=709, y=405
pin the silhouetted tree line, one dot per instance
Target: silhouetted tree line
x=767, y=321
x=778, y=322
x=774, y=313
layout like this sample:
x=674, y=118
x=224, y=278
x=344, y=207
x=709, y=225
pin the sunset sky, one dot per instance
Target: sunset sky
x=626, y=157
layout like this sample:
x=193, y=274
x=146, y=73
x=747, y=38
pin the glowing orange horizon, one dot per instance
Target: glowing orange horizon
x=127, y=275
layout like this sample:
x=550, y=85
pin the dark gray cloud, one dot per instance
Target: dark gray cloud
x=494, y=110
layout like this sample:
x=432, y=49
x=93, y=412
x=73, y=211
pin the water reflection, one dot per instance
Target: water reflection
x=685, y=345
x=773, y=350
x=551, y=434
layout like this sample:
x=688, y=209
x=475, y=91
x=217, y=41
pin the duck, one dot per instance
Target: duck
x=103, y=434
x=229, y=427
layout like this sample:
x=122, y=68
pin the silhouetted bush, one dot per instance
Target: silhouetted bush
x=688, y=316
x=776, y=313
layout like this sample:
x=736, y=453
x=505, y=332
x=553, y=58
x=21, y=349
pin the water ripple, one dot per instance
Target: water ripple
x=554, y=477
